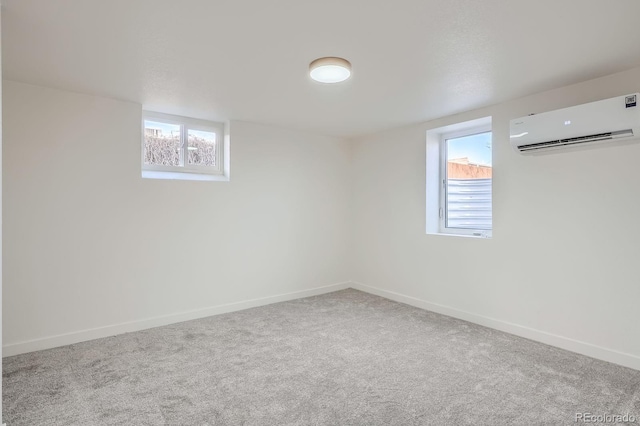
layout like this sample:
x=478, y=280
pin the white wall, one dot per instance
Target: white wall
x=562, y=266
x=1, y=149
x=95, y=245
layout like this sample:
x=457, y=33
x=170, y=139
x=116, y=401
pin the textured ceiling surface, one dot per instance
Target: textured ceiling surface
x=413, y=60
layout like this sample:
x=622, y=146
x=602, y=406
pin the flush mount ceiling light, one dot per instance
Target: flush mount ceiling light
x=330, y=70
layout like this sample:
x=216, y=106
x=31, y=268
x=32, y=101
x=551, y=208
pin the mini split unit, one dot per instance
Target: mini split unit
x=615, y=120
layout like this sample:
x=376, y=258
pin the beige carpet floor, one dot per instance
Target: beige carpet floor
x=344, y=358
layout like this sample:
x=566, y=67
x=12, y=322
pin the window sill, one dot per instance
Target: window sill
x=153, y=174
x=477, y=237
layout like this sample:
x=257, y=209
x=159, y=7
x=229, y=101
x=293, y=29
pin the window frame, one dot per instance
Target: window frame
x=186, y=124
x=436, y=176
x=443, y=175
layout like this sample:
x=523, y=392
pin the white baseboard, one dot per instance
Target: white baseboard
x=127, y=327
x=583, y=348
x=594, y=351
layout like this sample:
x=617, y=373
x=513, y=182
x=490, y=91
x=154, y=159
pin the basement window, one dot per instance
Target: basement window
x=459, y=179
x=175, y=147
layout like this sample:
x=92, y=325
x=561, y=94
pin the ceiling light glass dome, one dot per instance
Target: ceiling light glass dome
x=330, y=70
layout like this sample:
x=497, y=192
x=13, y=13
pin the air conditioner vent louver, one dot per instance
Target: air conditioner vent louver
x=577, y=140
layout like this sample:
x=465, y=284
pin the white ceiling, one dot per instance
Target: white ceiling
x=413, y=60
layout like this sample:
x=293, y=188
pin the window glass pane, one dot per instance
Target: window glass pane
x=468, y=182
x=202, y=148
x=161, y=143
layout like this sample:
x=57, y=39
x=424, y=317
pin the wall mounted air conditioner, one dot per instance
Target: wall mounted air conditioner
x=607, y=121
